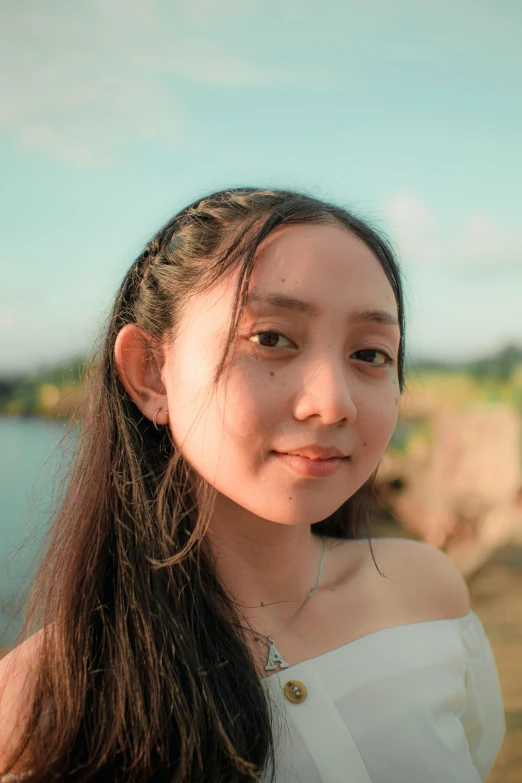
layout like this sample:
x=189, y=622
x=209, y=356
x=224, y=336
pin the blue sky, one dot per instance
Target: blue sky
x=117, y=113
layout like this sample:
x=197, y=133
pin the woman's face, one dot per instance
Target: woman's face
x=318, y=378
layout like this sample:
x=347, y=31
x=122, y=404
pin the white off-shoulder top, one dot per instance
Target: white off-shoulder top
x=416, y=703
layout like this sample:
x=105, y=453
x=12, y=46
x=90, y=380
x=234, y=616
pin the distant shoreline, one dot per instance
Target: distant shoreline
x=32, y=416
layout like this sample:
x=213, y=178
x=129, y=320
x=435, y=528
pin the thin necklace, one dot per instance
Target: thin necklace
x=274, y=656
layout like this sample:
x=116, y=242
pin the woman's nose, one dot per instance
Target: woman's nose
x=325, y=392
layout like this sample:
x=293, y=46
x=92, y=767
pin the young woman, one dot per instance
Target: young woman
x=208, y=609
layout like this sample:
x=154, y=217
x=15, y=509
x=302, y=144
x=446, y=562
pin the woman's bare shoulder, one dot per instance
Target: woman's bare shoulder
x=426, y=572
x=16, y=663
x=16, y=671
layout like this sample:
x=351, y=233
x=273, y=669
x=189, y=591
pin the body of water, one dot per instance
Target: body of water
x=31, y=464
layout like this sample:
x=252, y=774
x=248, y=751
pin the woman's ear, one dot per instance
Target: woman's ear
x=139, y=372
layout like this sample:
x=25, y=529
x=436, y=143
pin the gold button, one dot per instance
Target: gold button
x=295, y=691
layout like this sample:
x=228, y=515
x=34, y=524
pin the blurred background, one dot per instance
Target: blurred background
x=117, y=114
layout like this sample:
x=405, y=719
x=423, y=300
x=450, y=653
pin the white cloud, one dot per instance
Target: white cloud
x=93, y=121
x=69, y=89
x=84, y=81
x=484, y=241
x=137, y=10
x=207, y=11
x=415, y=227
x=481, y=241
x=9, y=319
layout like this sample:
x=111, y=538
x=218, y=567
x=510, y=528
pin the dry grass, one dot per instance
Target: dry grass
x=495, y=596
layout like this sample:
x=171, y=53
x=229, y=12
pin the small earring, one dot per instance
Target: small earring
x=154, y=419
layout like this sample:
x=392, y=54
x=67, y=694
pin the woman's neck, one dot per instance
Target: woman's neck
x=269, y=572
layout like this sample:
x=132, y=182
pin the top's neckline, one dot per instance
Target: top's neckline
x=468, y=614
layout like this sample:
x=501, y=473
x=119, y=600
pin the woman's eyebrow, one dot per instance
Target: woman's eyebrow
x=286, y=302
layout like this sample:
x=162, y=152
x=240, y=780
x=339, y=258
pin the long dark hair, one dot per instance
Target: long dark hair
x=144, y=672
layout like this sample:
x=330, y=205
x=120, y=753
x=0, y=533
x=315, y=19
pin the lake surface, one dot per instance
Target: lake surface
x=31, y=465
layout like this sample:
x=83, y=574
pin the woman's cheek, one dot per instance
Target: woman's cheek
x=377, y=418
x=391, y=410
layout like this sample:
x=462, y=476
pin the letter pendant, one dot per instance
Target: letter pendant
x=275, y=656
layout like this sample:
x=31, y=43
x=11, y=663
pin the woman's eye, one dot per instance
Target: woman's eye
x=272, y=341
x=387, y=358
x=272, y=337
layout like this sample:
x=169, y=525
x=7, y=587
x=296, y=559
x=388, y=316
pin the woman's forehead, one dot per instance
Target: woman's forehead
x=307, y=232
x=319, y=266
x=318, y=261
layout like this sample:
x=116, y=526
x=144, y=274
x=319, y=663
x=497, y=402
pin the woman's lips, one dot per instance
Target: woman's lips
x=305, y=466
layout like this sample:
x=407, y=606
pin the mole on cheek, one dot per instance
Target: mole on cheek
x=271, y=373
x=282, y=279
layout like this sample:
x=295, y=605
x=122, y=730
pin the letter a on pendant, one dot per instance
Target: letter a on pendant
x=275, y=656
